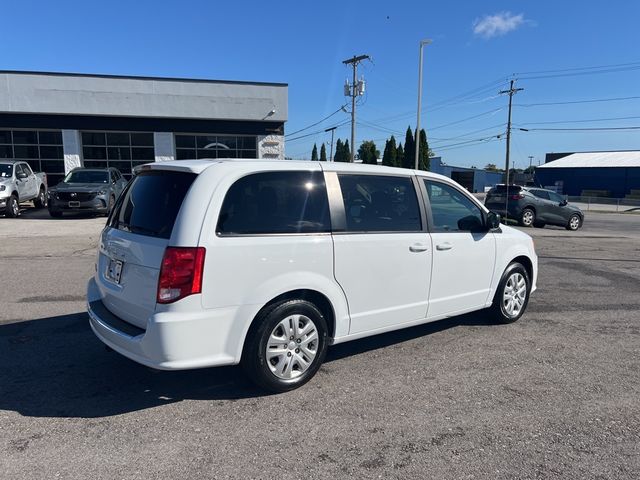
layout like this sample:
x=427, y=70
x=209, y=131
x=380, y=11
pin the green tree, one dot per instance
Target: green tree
x=424, y=153
x=491, y=167
x=347, y=151
x=368, y=152
x=314, y=153
x=408, y=160
x=390, y=155
x=399, y=155
x=340, y=154
x=323, y=153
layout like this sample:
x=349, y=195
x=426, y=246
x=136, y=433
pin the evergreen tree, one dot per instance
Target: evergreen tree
x=399, y=155
x=323, y=153
x=368, y=152
x=389, y=158
x=424, y=153
x=408, y=160
x=340, y=155
x=314, y=153
x=347, y=151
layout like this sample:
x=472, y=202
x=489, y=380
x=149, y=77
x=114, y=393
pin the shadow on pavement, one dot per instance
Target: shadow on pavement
x=56, y=367
x=43, y=214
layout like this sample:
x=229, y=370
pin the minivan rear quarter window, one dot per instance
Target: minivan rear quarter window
x=150, y=204
x=276, y=203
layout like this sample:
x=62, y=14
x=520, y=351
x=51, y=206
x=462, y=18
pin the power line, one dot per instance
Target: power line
x=586, y=129
x=317, y=132
x=593, y=100
x=578, y=68
x=470, y=144
x=314, y=124
x=468, y=133
x=488, y=112
x=577, y=74
x=580, y=121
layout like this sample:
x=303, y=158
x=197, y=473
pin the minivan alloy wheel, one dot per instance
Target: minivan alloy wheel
x=292, y=346
x=515, y=294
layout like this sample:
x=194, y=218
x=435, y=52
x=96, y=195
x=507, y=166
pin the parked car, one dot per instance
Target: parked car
x=19, y=184
x=267, y=263
x=533, y=206
x=92, y=190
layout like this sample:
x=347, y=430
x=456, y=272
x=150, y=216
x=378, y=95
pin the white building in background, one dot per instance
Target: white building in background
x=58, y=121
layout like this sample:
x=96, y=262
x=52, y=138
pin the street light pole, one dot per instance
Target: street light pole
x=422, y=44
x=332, y=130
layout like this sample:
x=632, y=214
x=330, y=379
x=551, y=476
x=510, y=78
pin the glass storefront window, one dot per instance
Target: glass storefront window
x=215, y=146
x=41, y=149
x=121, y=150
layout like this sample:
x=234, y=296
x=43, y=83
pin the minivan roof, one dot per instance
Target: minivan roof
x=198, y=166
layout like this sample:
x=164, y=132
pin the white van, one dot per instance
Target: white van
x=267, y=263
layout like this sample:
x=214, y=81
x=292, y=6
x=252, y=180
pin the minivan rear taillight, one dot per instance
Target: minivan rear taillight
x=518, y=196
x=180, y=273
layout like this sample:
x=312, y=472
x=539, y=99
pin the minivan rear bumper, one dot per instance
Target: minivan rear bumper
x=171, y=340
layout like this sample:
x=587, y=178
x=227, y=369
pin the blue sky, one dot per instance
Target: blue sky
x=475, y=44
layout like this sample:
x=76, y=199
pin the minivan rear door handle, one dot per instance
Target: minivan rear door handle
x=444, y=246
x=419, y=247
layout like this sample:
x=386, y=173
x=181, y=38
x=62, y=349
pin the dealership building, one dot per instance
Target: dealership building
x=60, y=121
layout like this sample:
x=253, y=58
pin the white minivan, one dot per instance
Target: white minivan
x=267, y=263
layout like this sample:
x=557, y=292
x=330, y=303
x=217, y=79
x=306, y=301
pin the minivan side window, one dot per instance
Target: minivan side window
x=452, y=211
x=380, y=203
x=276, y=202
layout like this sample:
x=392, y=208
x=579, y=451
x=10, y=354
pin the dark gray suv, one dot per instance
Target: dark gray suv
x=532, y=206
x=92, y=190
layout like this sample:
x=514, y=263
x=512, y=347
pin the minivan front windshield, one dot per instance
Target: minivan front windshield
x=87, y=176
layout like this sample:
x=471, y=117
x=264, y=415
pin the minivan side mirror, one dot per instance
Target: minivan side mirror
x=563, y=202
x=493, y=221
x=22, y=175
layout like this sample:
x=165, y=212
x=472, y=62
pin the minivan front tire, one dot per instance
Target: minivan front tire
x=512, y=295
x=286, y=346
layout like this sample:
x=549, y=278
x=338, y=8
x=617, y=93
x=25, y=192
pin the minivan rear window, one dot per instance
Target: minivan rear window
x=150, y=204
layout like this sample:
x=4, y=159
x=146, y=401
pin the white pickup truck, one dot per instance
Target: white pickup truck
x=19, y=184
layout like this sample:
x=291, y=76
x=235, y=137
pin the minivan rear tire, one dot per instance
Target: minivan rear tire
x=500, y=311
x=284, y=368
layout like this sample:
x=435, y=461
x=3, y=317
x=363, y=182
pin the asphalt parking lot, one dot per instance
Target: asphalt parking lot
x=556, y=395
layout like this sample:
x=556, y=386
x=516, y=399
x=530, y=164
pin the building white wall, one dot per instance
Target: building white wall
x=26, y=92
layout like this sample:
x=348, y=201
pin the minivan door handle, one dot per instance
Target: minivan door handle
x=418, y=247
x=444, y=246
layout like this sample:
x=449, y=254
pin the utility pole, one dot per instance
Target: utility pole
x=332, y=130
x=511, y=92
x=356, y=89
x=422, y=44
x=530, y=160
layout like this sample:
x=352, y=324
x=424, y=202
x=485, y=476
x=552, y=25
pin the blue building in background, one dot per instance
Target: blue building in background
x=473, y=179
x=604, y=174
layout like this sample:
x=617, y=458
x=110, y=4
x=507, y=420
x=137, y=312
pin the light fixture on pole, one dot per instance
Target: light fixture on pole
x=417, y=140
